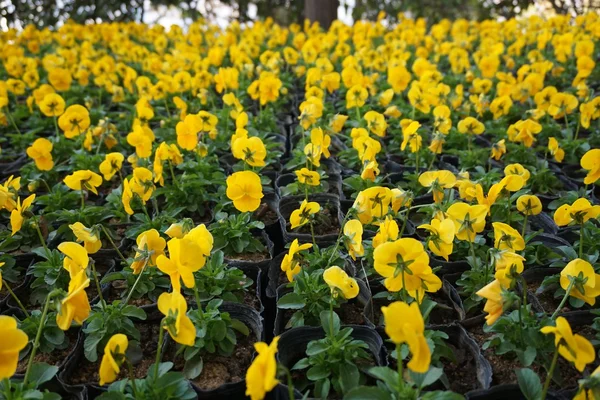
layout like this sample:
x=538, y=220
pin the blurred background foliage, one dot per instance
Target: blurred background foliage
x=50, y=13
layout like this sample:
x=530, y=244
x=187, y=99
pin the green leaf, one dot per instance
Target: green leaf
x=41, y=373
x=316, y=347
x=349, y=376
x=439, y=395
x=367, y=392
x=426, y=379
x=218, y=330
x=193, y=368
x=291, y=301
x=326, y=322
x=318, y=372
x=134, y=312
x=240, y=327
x=385, y=374
x=54, y=335
x=529, y=383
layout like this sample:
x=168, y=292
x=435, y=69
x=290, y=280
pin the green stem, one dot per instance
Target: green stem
x=417, y=162
x=8, y=389
x=337, y=242
x=41, y=237
x=56, y=129
x=524, y=226
x=161, y=336
x=566, y=121
x=521, y=323
x=135, y=283
x=550, y=373
x=290, y=383
x=14, y=296
x=82, y=200
x=577, y=130
x=581, y=242
x=132, y=379
x=331, y=318
x=113, y=243
x=173, y=174
x=197, y=296
x=167, y=108
x=98, y=288
x=404, y=222
x=400, y=368
x=565, y=297
x=38, y=336
x=312, y=232
x=12, y=121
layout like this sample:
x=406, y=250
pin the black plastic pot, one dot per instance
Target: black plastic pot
x=260, y=264
x=288, y=204
x=363, y=299
x=252, y=319
x=19, y=289
x=334, y=183
x=447, y=294
x=272, y=228
x=12, y=167
x=76, y=358
x=292, y=344
x=503, y=392
x=460, y=339
x=479, y=319
x=537, y=275
x=447, y=267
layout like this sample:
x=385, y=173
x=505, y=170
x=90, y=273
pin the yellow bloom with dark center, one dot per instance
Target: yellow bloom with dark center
x=127, y=197
x=113, y=162
x=404, y=324
x=90, y=239
x=185, y=258
x=579, y=212
x=151, y=244
x=373, y=203
x=437, y=181
x=76, y=306
x=340, y=283
x=498, y=150
x=405, y=265
x=507, y=265
x=494, y=305
x=442, y=121
x=370, y=171
x=572, y=347
x=308, y=177
x=356, y=96
x=469, y=220
x=353, y=231
x=507, y=237
x=13, y=341
x=470, y=126
x=245, y=190
x=53, y=105
x=591, y=163
x=142, y=184
x=441, y=239
x=178, y=324
x=261, y=376
x=517, y=169
x=41, y=153
x=376, y=123
x=409, y=133
x=290, y=263
x=17, y=216
x=562, y=104
x=529, y=204
x=250, y=149
x=320, y=140
x=304, y=214
x=74, y=121
x=586, y=282
x=114, y=356
x=83, y=180
x=60, y=79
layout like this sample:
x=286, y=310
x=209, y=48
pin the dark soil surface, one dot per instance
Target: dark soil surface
x=326, y=223
x=219, y=370
x=57, y=357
